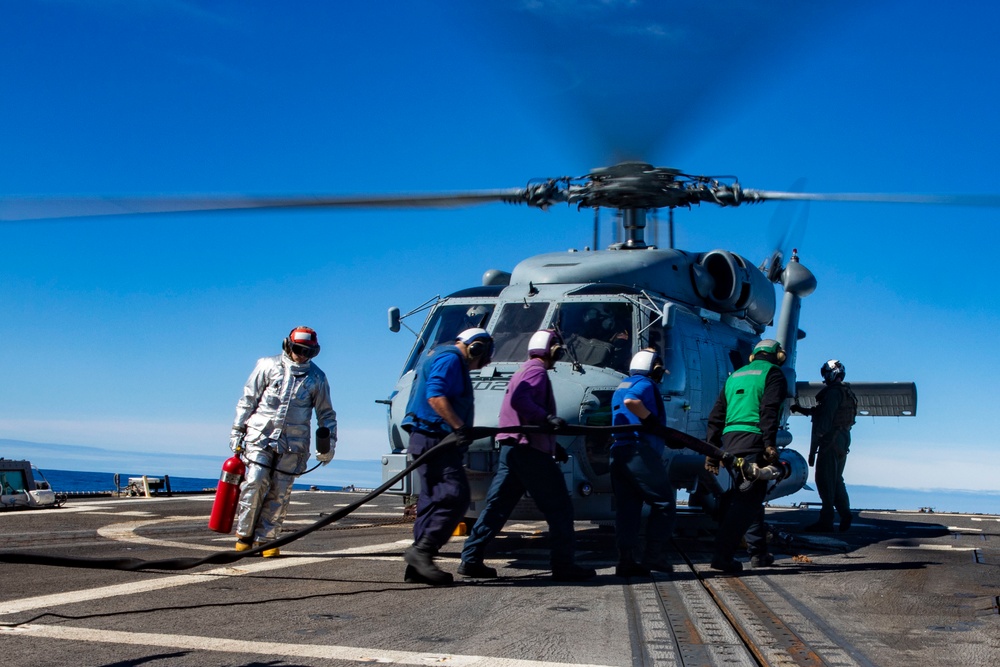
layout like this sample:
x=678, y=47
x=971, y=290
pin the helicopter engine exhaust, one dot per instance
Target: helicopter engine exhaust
x=730, y=284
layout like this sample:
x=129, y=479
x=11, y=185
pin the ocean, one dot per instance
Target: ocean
x=76, y=481
x=886, y=498
x=862, y=497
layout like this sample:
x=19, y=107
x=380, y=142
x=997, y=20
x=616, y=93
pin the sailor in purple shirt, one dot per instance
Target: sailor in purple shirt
x=529, y=462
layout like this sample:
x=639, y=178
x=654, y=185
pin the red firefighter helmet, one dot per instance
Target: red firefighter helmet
x=302, y=341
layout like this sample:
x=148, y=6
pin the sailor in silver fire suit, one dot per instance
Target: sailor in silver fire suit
x=273, y=427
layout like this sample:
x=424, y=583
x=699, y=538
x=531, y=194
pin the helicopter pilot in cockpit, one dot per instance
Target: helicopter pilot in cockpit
x=599, y=336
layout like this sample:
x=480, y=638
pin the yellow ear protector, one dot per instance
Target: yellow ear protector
x=557, y=351
x=772, y=347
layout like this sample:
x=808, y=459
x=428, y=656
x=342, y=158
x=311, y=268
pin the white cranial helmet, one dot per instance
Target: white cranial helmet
x=545, y=343
x=644, y=362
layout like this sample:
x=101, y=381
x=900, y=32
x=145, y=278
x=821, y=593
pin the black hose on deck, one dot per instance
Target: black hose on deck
x=226, y=557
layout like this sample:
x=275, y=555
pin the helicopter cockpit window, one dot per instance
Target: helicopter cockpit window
x=598, y=334
x=445, y=323
x=515, y=325
x=666, y=342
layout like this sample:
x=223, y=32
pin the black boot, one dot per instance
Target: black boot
x=420, y=557
x=627, y=567
x=655, y=558
x=572, y=572
x=820, y=527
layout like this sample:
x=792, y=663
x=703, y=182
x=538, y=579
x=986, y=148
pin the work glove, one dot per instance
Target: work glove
x=712, y=465
x=236, y=440
x=770, y=455
x=812, y=459
x=794, y=408
x=324, y=446
x=561, y=455
x=728, y=460
x=655, y=427
x=463, y=437
x=555, y=422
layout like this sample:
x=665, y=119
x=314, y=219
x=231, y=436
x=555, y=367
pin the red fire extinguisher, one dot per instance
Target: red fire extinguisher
x=227, y=493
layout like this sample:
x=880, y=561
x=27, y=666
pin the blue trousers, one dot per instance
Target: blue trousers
x=639, y=475
x=444, y=491
x=523, y=468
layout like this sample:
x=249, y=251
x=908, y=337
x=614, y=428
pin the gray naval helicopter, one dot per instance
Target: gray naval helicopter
x=703, y=311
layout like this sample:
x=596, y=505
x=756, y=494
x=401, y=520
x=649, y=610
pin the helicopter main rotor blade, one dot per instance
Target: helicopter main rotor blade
x=43, y=208
x=987, y=201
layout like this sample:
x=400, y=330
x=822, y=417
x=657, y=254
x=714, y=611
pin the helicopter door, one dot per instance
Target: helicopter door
x=667, y=341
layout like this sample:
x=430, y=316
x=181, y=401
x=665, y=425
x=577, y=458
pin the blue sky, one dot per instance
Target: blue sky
x=137, y=333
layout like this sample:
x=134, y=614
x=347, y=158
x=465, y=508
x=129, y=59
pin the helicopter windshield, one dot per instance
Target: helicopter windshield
x=597, y=333
x=445, y=323
x=515, y=325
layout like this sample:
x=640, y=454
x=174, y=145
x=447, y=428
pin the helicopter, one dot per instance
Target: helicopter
x=702, y=311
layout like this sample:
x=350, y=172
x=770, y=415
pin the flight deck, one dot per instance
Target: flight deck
x=901, y=588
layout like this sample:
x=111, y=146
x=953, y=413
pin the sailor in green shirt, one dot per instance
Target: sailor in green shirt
x=744, y=423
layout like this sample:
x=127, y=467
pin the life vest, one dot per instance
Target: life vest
x=846, y=414
x=621, y=415
x=419, y=414
x=744, y=391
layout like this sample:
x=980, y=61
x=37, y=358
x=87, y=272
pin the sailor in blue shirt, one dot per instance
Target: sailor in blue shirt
x=638, y=472
x=441, y=403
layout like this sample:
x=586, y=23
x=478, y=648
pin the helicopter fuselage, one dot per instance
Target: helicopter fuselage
x=702, y=312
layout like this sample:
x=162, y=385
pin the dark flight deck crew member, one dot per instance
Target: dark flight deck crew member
x=832, y=419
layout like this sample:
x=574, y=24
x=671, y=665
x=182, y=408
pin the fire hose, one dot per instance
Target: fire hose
x=675, y=439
